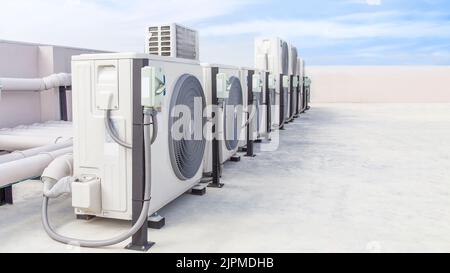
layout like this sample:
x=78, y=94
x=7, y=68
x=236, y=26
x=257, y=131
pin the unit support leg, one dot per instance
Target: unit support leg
x=6, y=196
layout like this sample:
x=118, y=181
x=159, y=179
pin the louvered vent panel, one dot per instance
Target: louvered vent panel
x=173, y=41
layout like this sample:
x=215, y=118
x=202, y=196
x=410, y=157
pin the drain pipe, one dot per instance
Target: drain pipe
x=18, y=155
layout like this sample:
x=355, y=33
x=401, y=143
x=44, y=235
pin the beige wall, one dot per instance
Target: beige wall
x=380, y=84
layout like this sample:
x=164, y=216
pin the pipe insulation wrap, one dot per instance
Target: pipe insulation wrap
x=35, y=85
x=12, y=143
x=59, y=168
x=28, y=168
x=54, y=189
x=35, y=151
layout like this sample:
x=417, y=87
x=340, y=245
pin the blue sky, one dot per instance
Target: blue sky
x=327, y=32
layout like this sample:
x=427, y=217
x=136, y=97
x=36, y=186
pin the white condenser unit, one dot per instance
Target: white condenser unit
x=265, y=100
x=300, y=70
x=224, y=90
x=272, y=54
x=111, y=90
x=246, y=76
x=292, y=101
x=303, y=89
x=257, y=91
x=173, y=40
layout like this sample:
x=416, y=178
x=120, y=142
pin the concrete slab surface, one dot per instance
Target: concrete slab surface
x=346, y=178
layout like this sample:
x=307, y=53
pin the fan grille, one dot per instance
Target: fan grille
x=236, y=101
x=187, y=154
x=294, y=60
x=285, y=58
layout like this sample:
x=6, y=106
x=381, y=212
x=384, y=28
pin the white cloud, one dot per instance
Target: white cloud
x=367, y=2
x=373, y=2
x=329, y=29
x=106, y=24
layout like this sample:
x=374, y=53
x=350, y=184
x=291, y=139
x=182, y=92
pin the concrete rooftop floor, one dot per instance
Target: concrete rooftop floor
x=346, y=178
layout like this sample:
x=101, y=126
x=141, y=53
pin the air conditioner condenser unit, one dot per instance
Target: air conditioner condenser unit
x=293, y=83
x=272, y=54
x=225, y=95
x=122, y=84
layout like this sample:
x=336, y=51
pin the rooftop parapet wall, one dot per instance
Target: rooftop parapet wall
x=380, y=84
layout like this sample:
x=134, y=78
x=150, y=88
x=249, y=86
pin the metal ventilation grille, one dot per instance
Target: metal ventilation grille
x=186, y=155
x=186, y=43
x=294, y=55
x=285, y=58
x=173, y=41
x=236, y=100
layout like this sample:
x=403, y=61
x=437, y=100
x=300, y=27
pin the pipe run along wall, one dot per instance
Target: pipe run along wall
x=47, y=83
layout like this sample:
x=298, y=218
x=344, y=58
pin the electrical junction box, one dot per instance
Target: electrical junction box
x=153, y=87
x=272, y=82
x=86, y=194
x=286, y=82
x=257, y=83
x=307, y=82
x=223, y=86
x=295, y=82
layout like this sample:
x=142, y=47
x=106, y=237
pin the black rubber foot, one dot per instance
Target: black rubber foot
x=199, y=190
x=85, y=217
x=258, y=141
x=250, y=155
x=156, y=222
x=6, y=196
x=235, y=158
x=216, y=185
x=144, y=248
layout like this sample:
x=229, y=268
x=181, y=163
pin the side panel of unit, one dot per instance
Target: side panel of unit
x=95, y=153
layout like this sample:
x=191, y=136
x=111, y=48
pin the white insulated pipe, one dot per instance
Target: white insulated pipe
x=38, y=132
x=35, y=85
x=28, y=168
x=12, y=143
x=32, y=152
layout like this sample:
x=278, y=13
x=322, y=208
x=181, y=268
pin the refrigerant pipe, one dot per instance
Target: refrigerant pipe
x=12, y=143
x=28, y=168
x=32, y=152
